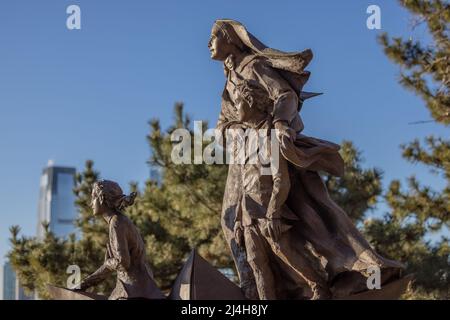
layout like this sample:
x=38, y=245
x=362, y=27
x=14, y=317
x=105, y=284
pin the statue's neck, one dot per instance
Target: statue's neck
x=109, y=214
x=234, y=60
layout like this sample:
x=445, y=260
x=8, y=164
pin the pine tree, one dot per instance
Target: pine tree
x=39, y=263
x=174, y=214
x=357, y=191
x=183, y=210
x=418, y=211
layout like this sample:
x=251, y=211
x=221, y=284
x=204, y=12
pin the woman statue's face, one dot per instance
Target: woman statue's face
x=218, y=45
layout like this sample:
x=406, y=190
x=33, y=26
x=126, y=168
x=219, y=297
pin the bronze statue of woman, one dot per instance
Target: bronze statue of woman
x=125, y=253
x=320, y=230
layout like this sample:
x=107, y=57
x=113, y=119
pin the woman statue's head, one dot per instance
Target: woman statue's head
x=224, y=41
x=107, y=196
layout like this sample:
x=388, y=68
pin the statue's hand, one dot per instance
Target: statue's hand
x=282, y=129
x=274, y=228
x=239, y=234
x=84, y=285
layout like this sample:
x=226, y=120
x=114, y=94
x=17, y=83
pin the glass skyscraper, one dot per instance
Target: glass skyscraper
x=7, y=282
x=10, y=286
x=57, y=209
x=56, y=201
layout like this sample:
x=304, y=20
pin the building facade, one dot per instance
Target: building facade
x=57, y=202
x=56, y=209
x=7, y=282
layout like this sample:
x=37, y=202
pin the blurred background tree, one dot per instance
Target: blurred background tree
x=357, y=191
x=416, y=211
x=176, y=212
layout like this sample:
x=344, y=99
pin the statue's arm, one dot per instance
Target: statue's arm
x=117, y=256
x=120, y=255
x=97, y=277
x=280, y=190
x=286, y=102
x=274, y=226
x=227, y=118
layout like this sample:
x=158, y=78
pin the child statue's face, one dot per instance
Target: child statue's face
x=96, y=206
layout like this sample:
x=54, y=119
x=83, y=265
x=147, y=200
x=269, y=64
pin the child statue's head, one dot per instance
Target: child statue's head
x=108, y=196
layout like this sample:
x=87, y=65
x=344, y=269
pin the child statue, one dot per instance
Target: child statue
x=125, y=252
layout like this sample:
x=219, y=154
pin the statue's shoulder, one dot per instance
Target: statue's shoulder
x=255, y=62
x=119, y=220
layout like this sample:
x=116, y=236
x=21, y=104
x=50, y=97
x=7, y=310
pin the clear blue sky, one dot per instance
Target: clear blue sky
x=88, y=94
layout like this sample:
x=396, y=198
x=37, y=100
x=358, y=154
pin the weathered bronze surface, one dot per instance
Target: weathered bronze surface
x=125, y=251
x=288, y=238
x=198, y=280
